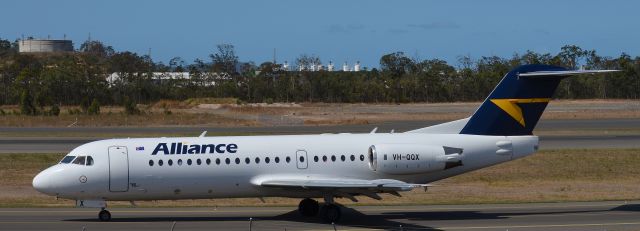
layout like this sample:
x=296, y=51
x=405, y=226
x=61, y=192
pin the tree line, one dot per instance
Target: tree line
x=80, y=78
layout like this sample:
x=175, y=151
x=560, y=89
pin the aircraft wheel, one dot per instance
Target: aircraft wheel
x=104, y=215
x=331, y=213
x=308, y=207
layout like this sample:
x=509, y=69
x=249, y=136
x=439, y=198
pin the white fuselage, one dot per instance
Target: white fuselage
x=126, y=169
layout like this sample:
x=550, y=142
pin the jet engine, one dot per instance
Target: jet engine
x=399, y=159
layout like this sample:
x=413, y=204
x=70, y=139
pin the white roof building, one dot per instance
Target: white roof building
x=208, y=78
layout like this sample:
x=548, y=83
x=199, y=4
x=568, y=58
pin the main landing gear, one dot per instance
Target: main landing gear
x=308, y=207
x=104, y=215
x=330, y=211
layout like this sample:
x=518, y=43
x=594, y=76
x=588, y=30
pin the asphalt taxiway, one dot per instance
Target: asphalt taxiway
x=65, y=139
x=398, y=126
x=540, y=216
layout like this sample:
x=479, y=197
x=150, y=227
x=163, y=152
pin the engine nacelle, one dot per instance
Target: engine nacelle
x=412, y=158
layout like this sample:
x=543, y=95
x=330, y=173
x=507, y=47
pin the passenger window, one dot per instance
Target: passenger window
x=361, y=157
x=198, y=161
x=247, y=160
x=189, y=162
x=257, y=160
x=315, y=158
x=343, y=158
x=180, y=162
x=333, y=158
x=288, y=159
x=301, y=159
x=267, y=160
x=228, y=161
x=160, y=162
x=208, y=161
x=324, y=158
x=80, y=160
x=170, y=162
x=89, y=160
x=237, y=160
x=353, y=158
x=218, y=161
x=67, y=159
x=150, y=162
x=277, y=159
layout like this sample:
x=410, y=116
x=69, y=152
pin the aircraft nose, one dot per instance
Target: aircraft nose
x=42, y=183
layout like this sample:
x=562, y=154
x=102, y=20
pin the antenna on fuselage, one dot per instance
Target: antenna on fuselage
x=374, y=130
x=203, y=134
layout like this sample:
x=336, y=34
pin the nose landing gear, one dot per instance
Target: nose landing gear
x=104, y=215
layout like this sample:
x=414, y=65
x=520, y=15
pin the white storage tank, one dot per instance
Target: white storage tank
x=44, y=45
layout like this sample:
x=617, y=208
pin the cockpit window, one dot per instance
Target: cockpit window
x=80, y=160
x=67, y=159
x=89, y=161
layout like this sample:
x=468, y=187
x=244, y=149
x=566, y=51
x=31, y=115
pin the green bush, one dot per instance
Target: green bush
x=84, y=104
x=130, y=107
x=26, y=104
x=74, y=111
x=55, y=110
x=94, y=108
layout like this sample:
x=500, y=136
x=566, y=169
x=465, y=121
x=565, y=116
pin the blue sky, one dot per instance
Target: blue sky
x=332, y=29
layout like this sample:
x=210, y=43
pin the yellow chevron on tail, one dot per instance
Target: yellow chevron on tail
x=510, y=106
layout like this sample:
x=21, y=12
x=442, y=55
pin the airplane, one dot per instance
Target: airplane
x=309, y=167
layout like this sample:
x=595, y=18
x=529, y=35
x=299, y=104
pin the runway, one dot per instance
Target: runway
x=544, y=216
x=67, y=138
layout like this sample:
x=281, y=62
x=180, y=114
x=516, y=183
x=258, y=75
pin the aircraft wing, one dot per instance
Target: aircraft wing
x=383, y=184
x=344, y=187
x=453, y=127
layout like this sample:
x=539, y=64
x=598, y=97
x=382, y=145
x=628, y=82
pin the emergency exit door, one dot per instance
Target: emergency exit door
x=301, y=159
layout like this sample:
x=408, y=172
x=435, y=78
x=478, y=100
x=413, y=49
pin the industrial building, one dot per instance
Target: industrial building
x=186, y=78
x=329, y=67
x=44, y=46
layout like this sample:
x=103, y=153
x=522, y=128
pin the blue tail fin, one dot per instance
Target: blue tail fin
x=516, y=104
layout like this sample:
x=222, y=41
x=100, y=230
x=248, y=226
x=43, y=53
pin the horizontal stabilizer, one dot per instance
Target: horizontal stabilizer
x=563, y=73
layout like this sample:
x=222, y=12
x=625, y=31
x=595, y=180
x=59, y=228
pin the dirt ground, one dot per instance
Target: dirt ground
x=222, y=113
x=319, y=113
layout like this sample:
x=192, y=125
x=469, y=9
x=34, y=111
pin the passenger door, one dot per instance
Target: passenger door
x=118, y=169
